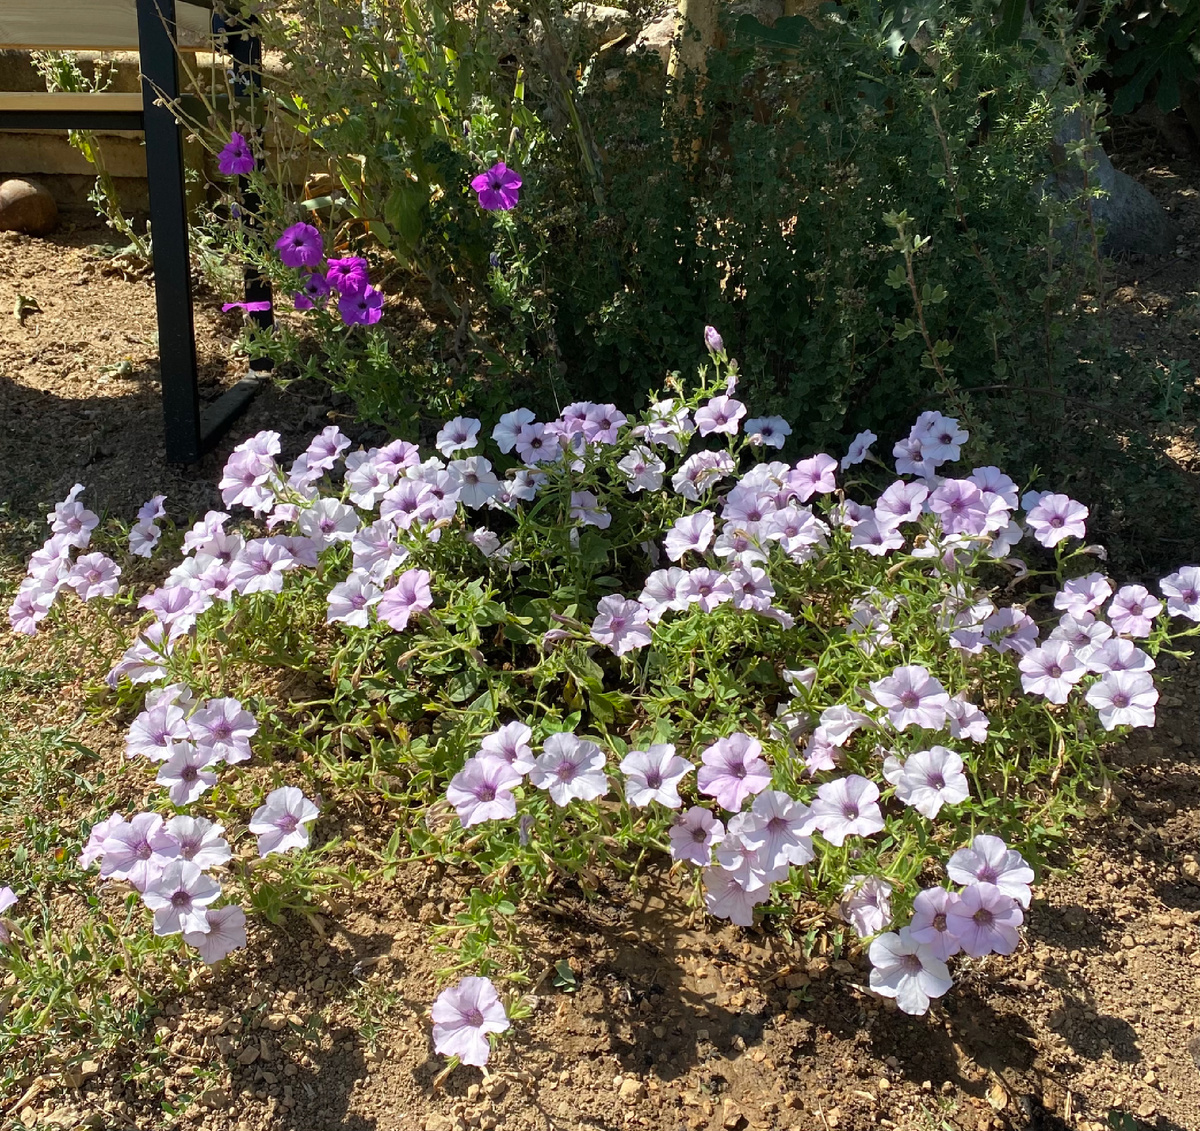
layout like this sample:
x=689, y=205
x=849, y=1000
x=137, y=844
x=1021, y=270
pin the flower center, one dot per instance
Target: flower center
x=1054, y=671
x=984, y=917
x=189, y=773
x=486, y=793
x=850, y=812
x=939, y=921
x=654, y=778
x=473, y=1017
x=1057, y=521
x=143, y=851
x=181, y=899
x=699, y=836
x=1120, y=699
x=987, y=874
x=287, y=823
x=936, y=781
x=909, y=700
x=911, y=964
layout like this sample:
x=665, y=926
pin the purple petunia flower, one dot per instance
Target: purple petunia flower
x=409, y=596
x=482, y=791
x=907, y=970
x=912, y=697
x=733, y=769
x=989, y=860
x=621, y=625
x=236, y=158
x=498, y=188
x=1056, y=517
x=314, y=292
x=186, y=774
x=1124, y=698
x=463, y=1016
x=1132, y=611
x=364, y=309
x=866, y=904
x=509, y=744
x=279, y=823
x=348, y=276
x=300, y=246
x=570, y=767
x=694, y=835
x=816, y=475
x=930, y=779
x=845, y=807
x=654, y=775
x=224, y=932
x=256, y=307
x=929, y=924
x=178, y=897
x=1182, y=590
x=1083, y=595
x=985, y=919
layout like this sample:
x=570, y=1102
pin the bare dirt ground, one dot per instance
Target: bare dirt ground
x=673, y=1025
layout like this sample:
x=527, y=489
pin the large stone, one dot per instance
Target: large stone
x=26, y=206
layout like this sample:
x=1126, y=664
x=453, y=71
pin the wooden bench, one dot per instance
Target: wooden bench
x=155, y=29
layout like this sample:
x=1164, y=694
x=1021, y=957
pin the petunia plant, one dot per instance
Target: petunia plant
x=604, y=642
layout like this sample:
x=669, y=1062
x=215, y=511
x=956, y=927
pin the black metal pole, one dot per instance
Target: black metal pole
x=169, y=232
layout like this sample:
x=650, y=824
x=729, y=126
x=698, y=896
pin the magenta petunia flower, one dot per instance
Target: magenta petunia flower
x=314, y=292
x=280, y=822
x=845, y=807
x=907, y=970
x=236, y=158
x=1124, y=698
x=224, y=932
x=178, y=897
x=733, y=769
x=256, y=307
x=409, y=596
x=654, y=775
x=912, y=697
x=866, y=904
x=694, y=835
x=348, y=276
x=985, y=919
x=929, y=924
x=364, y=309
x=482, y=791
x=300, y=246
x=498, y=188
x=463, y=1016
x=570, y=767
x=1132, y=611
x=989, y=860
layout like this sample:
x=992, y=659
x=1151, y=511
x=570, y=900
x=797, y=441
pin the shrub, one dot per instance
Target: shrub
x=609, y=643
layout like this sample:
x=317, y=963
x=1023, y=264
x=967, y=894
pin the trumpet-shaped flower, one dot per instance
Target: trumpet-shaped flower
x=482, y=791
x=654, y=775
x=224, y=932
x=464, y=1015
x=930, y=925
x=498, y=190
x=990, y=861
x=694, y=835
x=1132, y=611
x=1124, y=698
x=178, y=897
x=733, y=769
x=985, y=919
x=280, y=823
x=845, y=807
x=570, y=767
x=912, y=697
x=907, y=970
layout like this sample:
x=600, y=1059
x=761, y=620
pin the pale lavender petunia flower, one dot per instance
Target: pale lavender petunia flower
x=713, y=340
x=820, y=753
x=178, y=897
x=726, y=897
x=707, y=588
x=691, y=533
x=733, y=769
x=143, y=538
x=1051, y=670
x=985, y=920
x=1132, y=611
x=621, y=624
x=482, y=791
x=912, y=697
x=508, y=426
x=198, y=840
x=1010, y=630
x=135, y=850
x=965, y=720
x=225, y=932
x=602, y=423
x=224, y=727
x=155, y=731
x=31, y=605
x=463, y=1016
x=901, y=502
x=350, y=601
x=989, y=860
x=719, y=415
x=1083, y=595
x=911, y=459
x=816, y=475
x=694, y=835
x=586, y=510
x=186, y=774
x=457, y=435
x=908, y=971
x=327, y=521
x=866, y=904
x=1124, y=698
x=701, y=472
x=1056, y=517
x=246, y=481
x=876, y=540
x=93, y=850
x=664, y=589
x=509, y=744
x=1182, y=590
x=749, y=864
x=259, y=567
x=8, y=898
x=643, y=470
x=654, y=775
x=1118, y=655
x=960, y=507
x=930, y=925
x=860, y=446
x=1083, y=633
x=845, y=807
x=992, y=481
x=72, y=520
x=280, y=823
x=932, y=778
x=570, y=767
x=767, y=431
x=409, y=596
x=94, y=575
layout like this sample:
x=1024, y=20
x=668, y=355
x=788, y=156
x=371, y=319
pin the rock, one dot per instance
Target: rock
x=26, y=206
x=600, y=20
x=657, y=36
x=731, y=1114
x=632, y=1090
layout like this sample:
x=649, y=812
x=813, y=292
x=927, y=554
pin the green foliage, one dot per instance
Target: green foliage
x=1155, y=50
